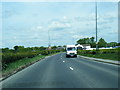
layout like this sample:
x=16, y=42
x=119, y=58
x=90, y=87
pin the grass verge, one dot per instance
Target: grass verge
x=17, y=65
x=21, y=64
x=110, y=56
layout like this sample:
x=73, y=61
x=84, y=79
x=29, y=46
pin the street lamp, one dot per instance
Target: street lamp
x=96, y=24
x=49, y=43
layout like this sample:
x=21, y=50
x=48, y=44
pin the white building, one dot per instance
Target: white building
x=83, y=46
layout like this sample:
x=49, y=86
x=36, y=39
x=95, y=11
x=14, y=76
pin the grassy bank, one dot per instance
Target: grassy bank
x=111, y=54
x=17, y=65
x=20, y=64
x=103, y=56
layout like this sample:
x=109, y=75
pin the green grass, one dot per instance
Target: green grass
x=20, y=63
x=110, y=56
x=14, y=66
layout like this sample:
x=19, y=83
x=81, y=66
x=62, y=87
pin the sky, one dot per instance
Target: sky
x=31, y=24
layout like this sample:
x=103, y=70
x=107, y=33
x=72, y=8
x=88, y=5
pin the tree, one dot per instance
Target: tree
x=19, y=48
x=86, y=41
x=102, y=43
x=5, y=49
x=82, y=41
x=15, y=48
x=54, y=47
x=92, y=40
x=42, y=48
x=112, y=44
x=118, y=44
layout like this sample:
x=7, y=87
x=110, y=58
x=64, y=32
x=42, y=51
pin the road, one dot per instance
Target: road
x=57, y=71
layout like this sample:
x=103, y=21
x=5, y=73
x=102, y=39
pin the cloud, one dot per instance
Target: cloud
x=56, y=26
x=79, y=36
x=37, y=28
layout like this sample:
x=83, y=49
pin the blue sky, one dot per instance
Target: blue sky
x=28, y=23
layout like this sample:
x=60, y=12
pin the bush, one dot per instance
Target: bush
x=103, y=51
x=12, y=57
x=9, y=57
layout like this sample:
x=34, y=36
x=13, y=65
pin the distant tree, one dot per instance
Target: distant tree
x=54, y=47
x=15, y=48
x=19, y=48
x=92, y=40
x=86, y=41
x=93, y=45
x=102, y=43
x=81, y=41
x=59, y=46
x=5, y=49
x=118, y=44
x=42, y=48
x=64, y=46
x=112, y=44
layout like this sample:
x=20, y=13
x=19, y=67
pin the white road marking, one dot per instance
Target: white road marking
x=71, y=68
x=61, y=58
x=63, y=61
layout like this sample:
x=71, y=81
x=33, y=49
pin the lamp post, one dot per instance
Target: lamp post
x=49, y=43
x=96, y=24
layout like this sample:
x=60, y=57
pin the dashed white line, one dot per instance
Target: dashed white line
x=63, y=61
x=71, y=68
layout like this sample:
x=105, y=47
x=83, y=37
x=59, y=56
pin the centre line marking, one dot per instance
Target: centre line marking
x=71, y=68
x=63, y=61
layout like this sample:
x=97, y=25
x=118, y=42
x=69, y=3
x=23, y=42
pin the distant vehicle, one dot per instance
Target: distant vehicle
x=71, y=51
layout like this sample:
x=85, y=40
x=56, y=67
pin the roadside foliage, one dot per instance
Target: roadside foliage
x=9, y=55
x=103, y=53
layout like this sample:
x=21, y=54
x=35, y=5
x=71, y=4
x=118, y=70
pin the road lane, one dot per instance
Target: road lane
x=60, y=72
x=97, y=75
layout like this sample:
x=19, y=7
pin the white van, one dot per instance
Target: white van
x=71, y=50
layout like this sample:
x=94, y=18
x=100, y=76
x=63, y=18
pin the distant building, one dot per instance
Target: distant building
x=83, y=46
x=80, y=47
x=86, y=46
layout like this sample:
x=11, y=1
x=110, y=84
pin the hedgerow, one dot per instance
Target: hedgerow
x=102, y=51
x=9, y=57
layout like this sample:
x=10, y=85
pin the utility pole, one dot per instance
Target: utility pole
x=49, y=43
x=96, y=24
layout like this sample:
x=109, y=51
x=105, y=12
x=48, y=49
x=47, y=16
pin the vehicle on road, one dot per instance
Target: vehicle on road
x=71, y=51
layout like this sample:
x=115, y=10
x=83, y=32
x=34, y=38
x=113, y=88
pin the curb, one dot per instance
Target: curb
x=101, y=60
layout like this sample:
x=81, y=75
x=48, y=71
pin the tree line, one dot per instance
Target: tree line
x=101, y=42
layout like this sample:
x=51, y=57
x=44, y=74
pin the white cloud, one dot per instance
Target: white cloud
x=65, y=17
x=37, y=28
x=71, y=32
x=56, y=25
x=79, y=36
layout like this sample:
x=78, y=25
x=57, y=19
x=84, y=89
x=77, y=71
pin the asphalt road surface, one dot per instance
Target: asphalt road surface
x=57, y=71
